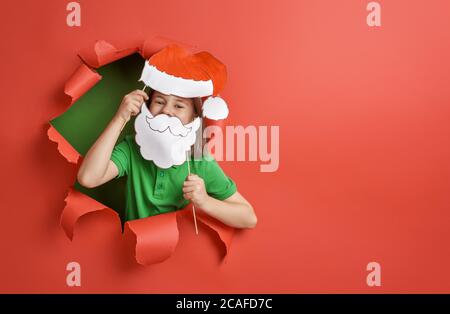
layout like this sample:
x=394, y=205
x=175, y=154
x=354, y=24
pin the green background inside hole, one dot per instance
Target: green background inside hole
x=84, y=121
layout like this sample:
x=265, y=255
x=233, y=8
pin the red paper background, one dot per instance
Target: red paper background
x=364, y=154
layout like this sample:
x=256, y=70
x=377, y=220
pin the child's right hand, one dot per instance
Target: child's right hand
x=131, y=104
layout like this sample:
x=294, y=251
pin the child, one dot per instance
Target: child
x=151, y=189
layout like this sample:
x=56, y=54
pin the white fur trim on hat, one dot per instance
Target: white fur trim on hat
x=215, y=108
x=172, y=85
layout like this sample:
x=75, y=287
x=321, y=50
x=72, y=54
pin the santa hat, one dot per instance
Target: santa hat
x=174, y=70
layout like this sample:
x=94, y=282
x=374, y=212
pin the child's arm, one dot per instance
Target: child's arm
x=97, y=168
x=235, y=211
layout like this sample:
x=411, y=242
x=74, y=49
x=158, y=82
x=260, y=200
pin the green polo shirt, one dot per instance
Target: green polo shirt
x=151, y=190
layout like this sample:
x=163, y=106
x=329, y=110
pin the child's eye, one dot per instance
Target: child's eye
x=179, y=106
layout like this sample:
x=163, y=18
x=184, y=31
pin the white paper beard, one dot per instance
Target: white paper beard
x=164, y=139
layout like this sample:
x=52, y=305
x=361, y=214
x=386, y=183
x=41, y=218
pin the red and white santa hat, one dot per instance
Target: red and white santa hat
x=174, y=70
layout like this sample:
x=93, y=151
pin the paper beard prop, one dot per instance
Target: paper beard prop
x=164, y=139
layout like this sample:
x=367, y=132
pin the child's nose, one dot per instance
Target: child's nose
x=167, y=110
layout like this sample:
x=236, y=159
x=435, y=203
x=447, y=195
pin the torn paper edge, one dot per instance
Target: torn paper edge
x=78, y=205
x=82, y=80
x=64, y=148
x=156, y=237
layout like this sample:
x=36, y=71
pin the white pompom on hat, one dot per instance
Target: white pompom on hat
x=174, y=70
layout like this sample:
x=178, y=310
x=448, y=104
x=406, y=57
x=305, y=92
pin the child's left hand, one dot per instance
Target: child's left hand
x=195, y=191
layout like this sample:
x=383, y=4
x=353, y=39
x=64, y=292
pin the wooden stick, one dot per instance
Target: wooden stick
x=193, y=207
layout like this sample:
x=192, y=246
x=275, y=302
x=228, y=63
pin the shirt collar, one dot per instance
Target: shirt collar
x=174, y=166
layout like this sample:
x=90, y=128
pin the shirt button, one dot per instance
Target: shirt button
x=160, y=186
x=161, y=174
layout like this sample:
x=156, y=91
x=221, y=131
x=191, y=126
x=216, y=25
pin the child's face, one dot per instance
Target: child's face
x=173, y=106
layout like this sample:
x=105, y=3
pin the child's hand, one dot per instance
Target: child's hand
x=131, y=104
x=195, y=191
